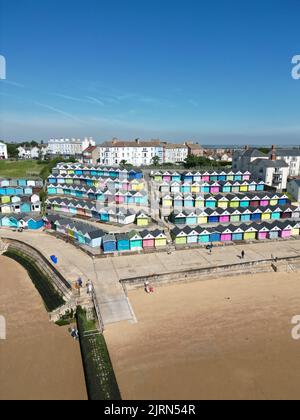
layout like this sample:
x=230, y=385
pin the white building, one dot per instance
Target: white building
x=32, y=152
x=69, y=147
x=175, y=153
x=272, y=172
x=3, y=151
x=141, y=153
x=291, y=157
x=243, y=158
x=293, y=188
x=136, y=153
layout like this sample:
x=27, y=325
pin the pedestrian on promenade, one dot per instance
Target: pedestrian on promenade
x=243, y=254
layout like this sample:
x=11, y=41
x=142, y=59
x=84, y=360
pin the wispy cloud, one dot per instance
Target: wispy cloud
x=95, y=100
x=59, y=111
x=12, y=83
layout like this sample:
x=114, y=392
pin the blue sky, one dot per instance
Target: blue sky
x=213, y=71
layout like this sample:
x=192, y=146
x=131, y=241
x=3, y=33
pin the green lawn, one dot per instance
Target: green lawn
x=20, y=169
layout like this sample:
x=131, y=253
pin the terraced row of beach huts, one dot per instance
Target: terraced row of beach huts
x=108, y=196
x=211, y=187
x=24, y=221
x=259, y=199
x=234, y=215
x=231, y=233
x=90, y=210
x=77, y=169
x=90, y=235
x=100, y=183
x=20, y=196
x=200, y=176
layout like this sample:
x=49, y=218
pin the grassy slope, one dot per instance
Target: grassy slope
x=20, y=169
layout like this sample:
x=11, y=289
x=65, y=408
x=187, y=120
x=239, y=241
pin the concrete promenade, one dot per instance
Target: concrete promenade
x=106, y=272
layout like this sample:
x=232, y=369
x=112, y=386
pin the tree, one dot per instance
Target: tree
x=123, y=162
x=155, y=160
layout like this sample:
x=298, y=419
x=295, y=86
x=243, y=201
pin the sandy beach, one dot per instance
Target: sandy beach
x=38, y=359
x=216, y=339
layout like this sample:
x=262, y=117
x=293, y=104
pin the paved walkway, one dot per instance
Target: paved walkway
x=106, y=273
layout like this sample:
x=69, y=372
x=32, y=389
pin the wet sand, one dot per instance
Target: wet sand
x=38, y=360
x=217, y=339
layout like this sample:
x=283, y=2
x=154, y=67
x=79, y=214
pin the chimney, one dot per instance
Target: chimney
x=246, y=147
x=114, y=140
x=273, y=153
x=137, y=141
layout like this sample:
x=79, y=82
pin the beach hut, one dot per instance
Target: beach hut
x=283, y=200
x=256, y=215
x=234, y=201
x=158, y=177
x=188, y=200
x=213, y=216
x=123, y=242
x=210, y=201
x=223, y=201
x=296, y=229
x=165, y=188
x=179, y=236
x=266, y=214
x=195, y=188
x=263, y=231
x=178, y=218
x=109, y=244
x=202, y=216
x=215, y=235
x=136, y=241
x=287, y=213
x=192, y=235
x=167, y=201
x=175, y=176
x=35, y=223
x=200, y=201
x=186, y=188
x=226, y=187
x=96, y=237
x=191, y=218
x=148, y=239
x=237, y=233
x=175, y=187
x=204, y=236
x=286, y=231
x=245, y=201
x=160, y=239
x=142, y=219
x=226, y=234
x=255, y=201
x=245, y=214
x=250, y=233
x=178, y=201
x=222, y=176
x=225, y=216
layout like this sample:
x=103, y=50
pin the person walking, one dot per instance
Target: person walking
x=243, y=254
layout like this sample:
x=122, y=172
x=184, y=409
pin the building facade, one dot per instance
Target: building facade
x=91, y=155
x=291, y=157
x=3, y=151
x=293, y=188
x=32, y=152
x=141, y=153
x=136, y=152
x=174, y=153
x=69, y=147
